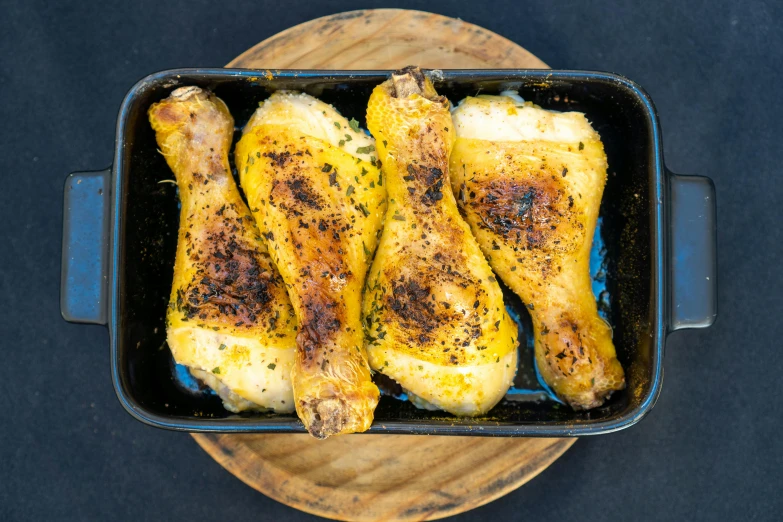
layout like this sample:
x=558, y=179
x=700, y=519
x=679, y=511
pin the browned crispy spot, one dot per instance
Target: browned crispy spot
x=421, y=315
x=567, y=350
x=279, y=159
x=428, y=182
x=293, y=192
x=532, y=214
x=321, y=320
x=317, y=234
x=233, y=284
x=412, y=304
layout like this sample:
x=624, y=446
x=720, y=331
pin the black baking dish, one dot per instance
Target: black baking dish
x=657, y=261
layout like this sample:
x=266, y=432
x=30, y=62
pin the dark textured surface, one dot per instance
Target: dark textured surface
x=709, y=450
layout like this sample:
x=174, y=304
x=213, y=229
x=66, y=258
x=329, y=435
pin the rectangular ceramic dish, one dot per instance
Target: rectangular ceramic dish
x=654, y=258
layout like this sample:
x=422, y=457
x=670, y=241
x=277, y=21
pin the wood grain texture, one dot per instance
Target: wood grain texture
x=383, y=477
x=386, y=39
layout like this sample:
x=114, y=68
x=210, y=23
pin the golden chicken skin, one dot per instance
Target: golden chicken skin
x=433, y=311
x=313, y=186
x=229, y=319
x=530, y=181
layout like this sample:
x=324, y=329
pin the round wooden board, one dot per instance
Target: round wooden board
x=384, y=477
x=386, y=39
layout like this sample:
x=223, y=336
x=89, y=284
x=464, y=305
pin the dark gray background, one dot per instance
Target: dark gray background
x=709, y=451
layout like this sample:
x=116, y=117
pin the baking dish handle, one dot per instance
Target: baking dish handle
x=85, y=255
x=693, y=252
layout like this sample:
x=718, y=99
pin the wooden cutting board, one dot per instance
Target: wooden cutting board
x=384, y=477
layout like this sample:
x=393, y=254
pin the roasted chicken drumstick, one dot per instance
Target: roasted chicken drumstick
x=433, y=311
x=229, y=318
x=311, y=180
x=529, y=182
